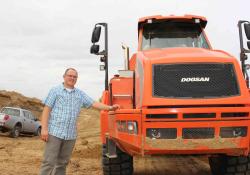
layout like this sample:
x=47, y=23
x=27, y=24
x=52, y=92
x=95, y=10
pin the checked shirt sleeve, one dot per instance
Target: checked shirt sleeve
x=51, y=98
x=87, y=101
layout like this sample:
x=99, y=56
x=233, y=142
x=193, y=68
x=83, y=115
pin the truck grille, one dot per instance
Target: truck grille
x=194, y=80
x=232, y=132
x=162, y=133
x=197, y=133
x=199, y=115
x=234, y=114
x=161, y=116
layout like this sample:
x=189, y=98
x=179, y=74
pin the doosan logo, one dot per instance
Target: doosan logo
x=195, y=79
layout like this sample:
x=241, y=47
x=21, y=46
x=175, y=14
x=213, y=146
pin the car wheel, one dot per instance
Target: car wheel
x=15, y=132
x=38, y=132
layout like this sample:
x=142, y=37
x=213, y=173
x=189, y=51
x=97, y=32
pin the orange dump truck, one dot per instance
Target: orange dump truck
x=177, y=96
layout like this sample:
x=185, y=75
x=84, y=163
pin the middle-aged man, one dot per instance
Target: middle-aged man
x=59, y=117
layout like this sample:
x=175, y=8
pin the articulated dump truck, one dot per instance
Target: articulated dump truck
x=177, y=96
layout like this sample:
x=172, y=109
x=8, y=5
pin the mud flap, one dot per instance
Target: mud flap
x=111, y=149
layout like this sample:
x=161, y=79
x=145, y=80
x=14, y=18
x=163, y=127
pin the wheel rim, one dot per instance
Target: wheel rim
x=39, y=132
x=17, y=131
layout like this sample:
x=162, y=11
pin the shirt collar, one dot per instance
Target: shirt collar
x=63, y=88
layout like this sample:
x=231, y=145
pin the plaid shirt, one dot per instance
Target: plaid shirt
x=65, y=108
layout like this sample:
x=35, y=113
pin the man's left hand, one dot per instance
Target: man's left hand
x=114, y=107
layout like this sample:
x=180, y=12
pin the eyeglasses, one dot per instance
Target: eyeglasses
x=72, y=76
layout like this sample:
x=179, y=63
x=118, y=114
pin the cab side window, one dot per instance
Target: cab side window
x=11, y=111
x=26, y=114
x=15, y=112
x=31, y=116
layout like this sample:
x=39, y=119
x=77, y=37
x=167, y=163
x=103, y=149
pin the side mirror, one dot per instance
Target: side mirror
x=96, y=34
x=247, y=31
x=94, y=49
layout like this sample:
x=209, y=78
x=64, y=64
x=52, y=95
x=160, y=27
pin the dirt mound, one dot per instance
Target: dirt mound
x=14, y=99
x=25, y=153
x=92, y=151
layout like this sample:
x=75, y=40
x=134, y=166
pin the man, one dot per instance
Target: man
x=59, y=116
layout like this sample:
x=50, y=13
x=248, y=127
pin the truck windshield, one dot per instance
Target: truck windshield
x=10, y=111
x=173, y=34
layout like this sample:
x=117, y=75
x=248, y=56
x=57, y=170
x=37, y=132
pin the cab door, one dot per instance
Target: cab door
x=32, y=123
x=26, y=122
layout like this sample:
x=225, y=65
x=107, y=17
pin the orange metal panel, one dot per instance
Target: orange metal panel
x=160, y=17
x=186, y=55
x=194, y=146
x=122, y=92
x=140, y=144
x=132, y=62
x=104, y=117
x=180, y=111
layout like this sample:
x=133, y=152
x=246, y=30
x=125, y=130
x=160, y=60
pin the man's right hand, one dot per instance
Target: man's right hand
x=44, y=123
x=44, y=134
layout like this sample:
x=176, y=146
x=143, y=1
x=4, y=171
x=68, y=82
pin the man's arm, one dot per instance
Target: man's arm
x=45, y=119
x=102, y=106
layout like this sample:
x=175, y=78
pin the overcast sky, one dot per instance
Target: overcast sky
x=39, y=39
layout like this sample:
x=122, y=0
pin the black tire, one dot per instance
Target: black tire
x=122, y=165
x=230, y=165
x=38, y=132
x=15, y=132
x=217, y=165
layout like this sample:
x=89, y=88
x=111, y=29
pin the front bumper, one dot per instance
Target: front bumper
x=218, y=140
x=214, y=143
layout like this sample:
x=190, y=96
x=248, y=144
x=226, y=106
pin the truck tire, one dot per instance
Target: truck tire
x=230, y=165
x=122, y=165
x=217, y=165
x=15, y=132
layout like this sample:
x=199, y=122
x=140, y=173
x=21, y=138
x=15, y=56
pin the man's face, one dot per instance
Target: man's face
x=70, y=78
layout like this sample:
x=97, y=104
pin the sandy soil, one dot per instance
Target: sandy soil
x=23, y=155
x=171, y=165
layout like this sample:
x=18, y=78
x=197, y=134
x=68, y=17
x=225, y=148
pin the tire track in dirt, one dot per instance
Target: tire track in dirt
x=23, y=155
x=170, y=165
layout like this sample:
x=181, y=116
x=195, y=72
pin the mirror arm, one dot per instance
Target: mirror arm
x=246, y=51
x=243, y=56
x=243, y=51
x=104, y=53
x=247, y=76
x=102, y=24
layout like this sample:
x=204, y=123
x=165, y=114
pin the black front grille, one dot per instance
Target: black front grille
x=197, y=133
x=161, y=133
x=199, y=115
x=235, y=114
x=232, y=132
x=194, y=80
x=161, y=116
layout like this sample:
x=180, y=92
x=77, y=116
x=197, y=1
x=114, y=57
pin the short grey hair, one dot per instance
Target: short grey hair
x=68, y=69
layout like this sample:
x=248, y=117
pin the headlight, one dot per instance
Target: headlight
x=132, y=127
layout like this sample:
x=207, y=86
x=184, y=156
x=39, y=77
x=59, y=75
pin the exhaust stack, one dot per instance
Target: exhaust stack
x=126, y=56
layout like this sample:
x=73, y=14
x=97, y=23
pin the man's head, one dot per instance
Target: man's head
x=70, y=77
